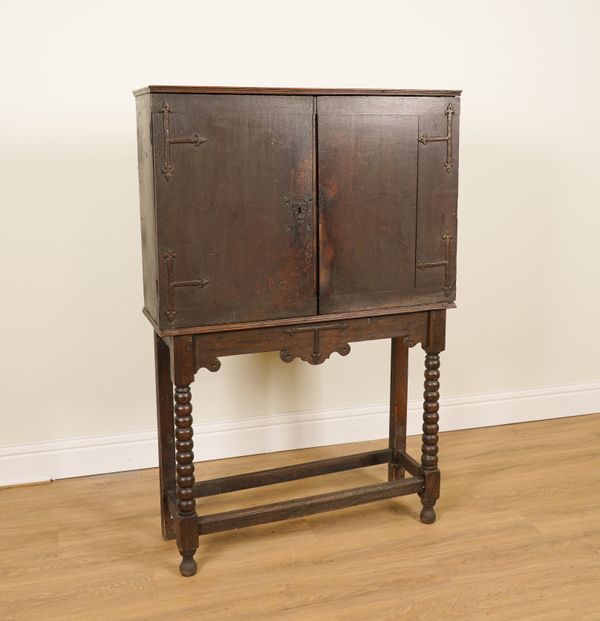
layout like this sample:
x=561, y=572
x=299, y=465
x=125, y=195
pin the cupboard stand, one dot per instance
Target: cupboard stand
x=178, y=357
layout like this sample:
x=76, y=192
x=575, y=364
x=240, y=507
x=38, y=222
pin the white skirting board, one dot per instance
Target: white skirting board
x=57, y=459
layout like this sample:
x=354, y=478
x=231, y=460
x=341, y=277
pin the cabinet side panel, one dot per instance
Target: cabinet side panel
x=147, y=204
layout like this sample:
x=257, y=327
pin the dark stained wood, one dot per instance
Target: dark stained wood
x=247, y=325
x=409, y=464
x=398, y=405
x=412, y=106
x=166, y=432
x=181, y=349
x=242, y=197
x=407, y=216
x=240, y=90
x=187, y=539
x=147, y=205
x=367, y=173
x=306, y=506
x=172, y=503
x=290, y=473
x=297, y=221
x=436, y=331
x=437, y=203
x=429, y=456
x=313, y=343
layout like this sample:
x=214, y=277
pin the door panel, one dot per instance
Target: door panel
x=234, y=188
x=437, y=201
x=367, y=207
x=387, y=201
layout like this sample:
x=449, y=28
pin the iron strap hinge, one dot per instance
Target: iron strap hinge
x=424, y=138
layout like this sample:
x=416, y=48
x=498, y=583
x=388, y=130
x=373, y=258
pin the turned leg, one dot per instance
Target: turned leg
x=166, y=436
x=398, y=406
x=429, y=459
x=186, y=524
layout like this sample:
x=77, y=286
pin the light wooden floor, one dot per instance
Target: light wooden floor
x=517, y=538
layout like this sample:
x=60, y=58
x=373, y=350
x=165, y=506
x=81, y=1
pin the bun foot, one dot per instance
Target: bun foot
x=188, y=566
x=427, y=515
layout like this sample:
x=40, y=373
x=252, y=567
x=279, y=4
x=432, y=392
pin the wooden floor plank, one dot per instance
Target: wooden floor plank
x=517, y=537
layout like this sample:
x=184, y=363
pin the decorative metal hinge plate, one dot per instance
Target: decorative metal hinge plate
x=445, y=263
x=172, y=284
x=424, y=139
x=167, y=168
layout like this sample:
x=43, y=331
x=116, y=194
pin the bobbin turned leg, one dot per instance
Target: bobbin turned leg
x=186, y=524
x=186, y=521
x=429, y=449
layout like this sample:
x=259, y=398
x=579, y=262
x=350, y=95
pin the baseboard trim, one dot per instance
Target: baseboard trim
x=32, y=462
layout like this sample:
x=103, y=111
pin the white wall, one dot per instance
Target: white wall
x=76, y=351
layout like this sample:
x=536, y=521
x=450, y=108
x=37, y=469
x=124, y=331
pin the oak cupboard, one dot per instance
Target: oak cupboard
x=298, y=221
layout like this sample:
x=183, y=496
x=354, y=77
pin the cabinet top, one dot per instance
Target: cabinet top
x=251, y=90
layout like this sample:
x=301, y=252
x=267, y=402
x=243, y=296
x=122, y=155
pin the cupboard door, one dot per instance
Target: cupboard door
x=387, y=170
x=367, y=156
x=236, y=212
x=437, y=199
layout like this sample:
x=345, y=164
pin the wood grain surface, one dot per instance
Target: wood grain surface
x=237, y=211
x=261, y=207
x=248, y=90
x=517, y=538
x=367, y=208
